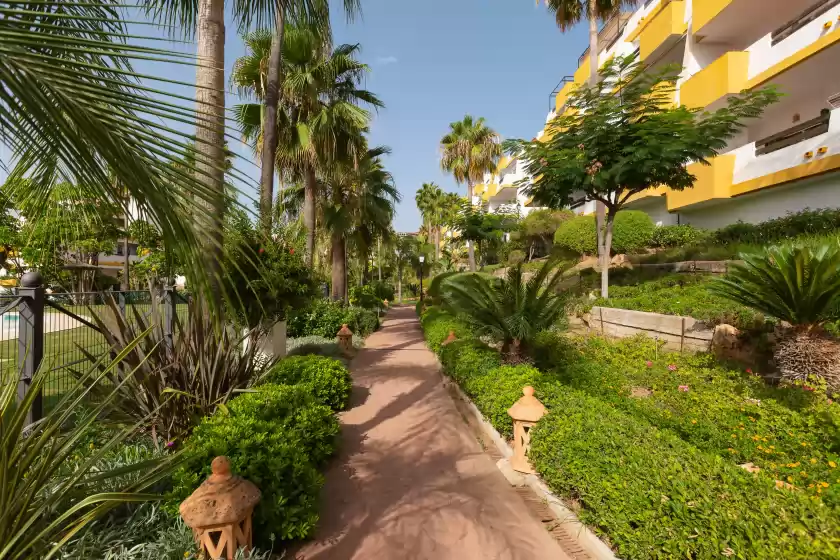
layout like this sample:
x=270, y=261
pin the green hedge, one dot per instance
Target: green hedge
x=650, y=474
x=437, y=324
x=677, y=236
x=328, y=380
x=806, y=222
x=276, y=437
x=324, y=318
x=632, y=232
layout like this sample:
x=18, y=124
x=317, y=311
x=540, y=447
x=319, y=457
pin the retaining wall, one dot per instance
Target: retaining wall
x=682, y=334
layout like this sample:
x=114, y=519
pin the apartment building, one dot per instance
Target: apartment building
x=501, y=190
x=785, y=161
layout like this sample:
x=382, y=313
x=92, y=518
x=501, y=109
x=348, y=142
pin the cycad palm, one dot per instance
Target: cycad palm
x=319, y=122
x=468, y=151
x=511, y=311
x=798, y=283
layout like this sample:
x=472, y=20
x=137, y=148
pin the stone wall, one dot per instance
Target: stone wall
x=681, y=334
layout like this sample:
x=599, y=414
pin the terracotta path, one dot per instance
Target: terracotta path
x=412, y=482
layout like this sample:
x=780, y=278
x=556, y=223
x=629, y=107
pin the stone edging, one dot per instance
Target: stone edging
x=588, y=540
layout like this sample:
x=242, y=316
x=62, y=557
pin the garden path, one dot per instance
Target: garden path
x=412, y=482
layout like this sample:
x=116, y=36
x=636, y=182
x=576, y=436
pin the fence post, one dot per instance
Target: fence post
x=121, y=302
x=169, y=311
x=31, y=339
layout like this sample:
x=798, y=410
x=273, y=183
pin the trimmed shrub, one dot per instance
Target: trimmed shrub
x=577, y=235
x=365, y=297
x=325, y=378
x=324, y=318
x=276, y=438
x=632, y=231
x=677, y=236
x=516, y=257
x=806, y=222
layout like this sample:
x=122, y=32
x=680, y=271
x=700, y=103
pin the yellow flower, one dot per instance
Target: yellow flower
x=811, y=485
x=91, y=445
x=734, y=436
x=760, y=447
x=804, y=444
x=694, y=421
x=832, y=464
x=813, y=461
x=804, y=474
x=824, y=484
x=790, y=479
x=186, y=555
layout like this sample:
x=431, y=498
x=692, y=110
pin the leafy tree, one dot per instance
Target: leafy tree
x=510, y=311
x=468, y=151
x=484, y=229
x=430, y=201
x=537, y=229
x=624, y=135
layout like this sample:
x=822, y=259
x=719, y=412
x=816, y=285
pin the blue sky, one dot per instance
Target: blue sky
x=436, y=60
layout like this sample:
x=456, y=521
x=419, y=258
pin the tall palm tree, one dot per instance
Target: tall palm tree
x=567, y=14
x=319, y=98
x=468, y=151
x=429, y=199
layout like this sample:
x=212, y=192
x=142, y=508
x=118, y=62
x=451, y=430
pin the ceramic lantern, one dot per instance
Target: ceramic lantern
x=449, y=339
x=526, y=412
x=345, y=341
x=219, y=512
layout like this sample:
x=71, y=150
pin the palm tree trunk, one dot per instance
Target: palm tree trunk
x=399, y=285
x=600, y=211
x=339, y=264
x=470, y=248
x=379, y=258
x=309, y=213
x=124, y=285
x=269, y=124
x=437, y=243
x=210, y=139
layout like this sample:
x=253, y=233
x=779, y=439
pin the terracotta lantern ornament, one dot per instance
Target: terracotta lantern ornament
x=526, y=412
x=219, y=512
x=345, y=341
x=449, y=339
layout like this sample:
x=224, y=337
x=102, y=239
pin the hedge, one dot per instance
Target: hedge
x=795, y=224
x=651, y=489
x=327, y=379
x=677, y=236
x=632, y=231
x=324, y=318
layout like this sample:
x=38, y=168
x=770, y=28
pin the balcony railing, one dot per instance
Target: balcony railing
x=609, y=34
x=552, y=97
x=794, y=135
x=802, y=20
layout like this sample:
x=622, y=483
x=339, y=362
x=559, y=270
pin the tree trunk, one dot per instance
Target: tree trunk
x=399, y=285
x=379, y=258
x=309, y=213
x=600, y=210
x=437, y=243
x=210, y=137
x=470, y=248
x=339, y=264
x=605, y=262
x=269, y=124
x=124, y=285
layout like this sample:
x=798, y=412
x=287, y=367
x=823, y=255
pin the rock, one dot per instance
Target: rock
x=726, y=342
x=640, y=392
x=749, y=467
x=620, y=260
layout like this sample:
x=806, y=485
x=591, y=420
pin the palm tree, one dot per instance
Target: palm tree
x=320, y=97
x=509, y=311
x=468, y=151
x=567, y=14
x=430, y=199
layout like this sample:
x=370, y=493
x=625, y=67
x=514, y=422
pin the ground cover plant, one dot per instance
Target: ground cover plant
x=648, y=445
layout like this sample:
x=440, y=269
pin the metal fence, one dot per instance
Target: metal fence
x=55, y=331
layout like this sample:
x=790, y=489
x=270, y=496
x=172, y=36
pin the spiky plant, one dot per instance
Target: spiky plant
x=512, y=310
x=798, y=283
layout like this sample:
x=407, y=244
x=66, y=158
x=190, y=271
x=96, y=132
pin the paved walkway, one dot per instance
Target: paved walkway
x=412, y=483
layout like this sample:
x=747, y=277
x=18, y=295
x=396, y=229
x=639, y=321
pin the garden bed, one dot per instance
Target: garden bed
x=649, y=444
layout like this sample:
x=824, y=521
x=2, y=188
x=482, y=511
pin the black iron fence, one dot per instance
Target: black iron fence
x=55, y=331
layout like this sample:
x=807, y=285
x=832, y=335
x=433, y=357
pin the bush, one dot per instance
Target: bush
x=383, y=290
x=677, y=236
x=632, y=231
x=327, y=379
x=365, y=297
x=437, y=324
x=276, y=438
x=806, y=222
x=516, y=257
x=324, y=318
x=577, y=235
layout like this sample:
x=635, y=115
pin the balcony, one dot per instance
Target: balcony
x=560, y=93
x=725, y=76
x=801, y=20
x=662, y=29
x=739, y=23
x=714, y=182
x=794, y=135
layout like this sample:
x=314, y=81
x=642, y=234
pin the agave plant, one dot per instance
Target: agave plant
x=173, y=381
x=798, y=283
x=511, y=311
x=53, y=481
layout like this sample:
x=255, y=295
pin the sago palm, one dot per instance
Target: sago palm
x=798, y=283
x=468, y=151
x=511, y=311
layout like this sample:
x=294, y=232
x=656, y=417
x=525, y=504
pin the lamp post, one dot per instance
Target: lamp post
x=422, y=260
